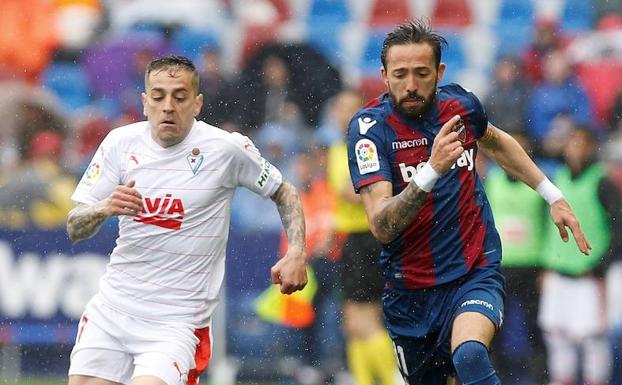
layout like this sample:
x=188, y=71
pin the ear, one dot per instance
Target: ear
x=143, y=98
x=441, y=71
x=383, y=76
x=198, y=103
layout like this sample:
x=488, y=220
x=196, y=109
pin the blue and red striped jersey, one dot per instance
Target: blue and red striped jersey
x=454, y=230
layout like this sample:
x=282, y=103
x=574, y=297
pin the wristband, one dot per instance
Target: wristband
x=549, y=191
x=426, y=178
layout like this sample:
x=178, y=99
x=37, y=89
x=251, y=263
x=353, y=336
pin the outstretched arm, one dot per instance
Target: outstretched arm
x=291, y=270
x=84, y=221
x=502, y=148
x=389, y=215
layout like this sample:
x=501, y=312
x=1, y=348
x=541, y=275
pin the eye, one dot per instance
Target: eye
x=157, y=98
x=180, y=99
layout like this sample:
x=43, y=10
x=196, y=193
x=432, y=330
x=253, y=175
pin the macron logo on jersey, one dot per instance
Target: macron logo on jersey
x=465, y=160
x=365, y=124
x=167, y=212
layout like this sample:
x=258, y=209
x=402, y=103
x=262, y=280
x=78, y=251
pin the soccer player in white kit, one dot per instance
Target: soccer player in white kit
x=170, y=180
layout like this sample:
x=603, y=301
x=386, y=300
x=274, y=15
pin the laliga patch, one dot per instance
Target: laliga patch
x=366, y=156
x=91, y=175
x=266, y=170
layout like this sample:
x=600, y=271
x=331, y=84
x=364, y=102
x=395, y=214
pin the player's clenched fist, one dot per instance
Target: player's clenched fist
x=290, y=272
x=447, y=147
x=124, y=200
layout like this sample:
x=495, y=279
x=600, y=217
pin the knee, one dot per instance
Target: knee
x=472, y=364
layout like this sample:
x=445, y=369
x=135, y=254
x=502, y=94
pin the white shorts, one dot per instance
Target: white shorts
x=118, y=347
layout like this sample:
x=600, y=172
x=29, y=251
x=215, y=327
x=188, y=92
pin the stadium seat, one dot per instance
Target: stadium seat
x=602, y=81
x=451, y=14
x=69, y=82
x=191, y=42
x=325, y=38
x=516, y=12
x=453, y=56
x=389, y=12
x=370, y=59
x=578, y=15
x=513, y=37
x=335, y=11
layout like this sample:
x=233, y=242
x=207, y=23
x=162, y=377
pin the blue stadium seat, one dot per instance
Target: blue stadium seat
x=370, y=60
x=516, y=11
x=191, y=42
x=325, y=38
x=513, y=37
x=69, y=82
x=335, y=11
x=453, y=56
x=578, y=15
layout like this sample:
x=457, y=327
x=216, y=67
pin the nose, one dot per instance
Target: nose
x=168, y=104
x=411, y=84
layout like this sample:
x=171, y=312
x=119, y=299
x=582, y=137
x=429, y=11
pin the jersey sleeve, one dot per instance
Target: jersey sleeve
x=479, y=118
x=368, y=157
x=254, y=171
x=101, y=176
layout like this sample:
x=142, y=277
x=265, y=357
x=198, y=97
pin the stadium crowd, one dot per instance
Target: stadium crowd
x=548, y=72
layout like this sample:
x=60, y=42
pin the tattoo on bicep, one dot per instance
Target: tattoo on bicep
x=83, y=222
x=490, y=136
x=290, y=209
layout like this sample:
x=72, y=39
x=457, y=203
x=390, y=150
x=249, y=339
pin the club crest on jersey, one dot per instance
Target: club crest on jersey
x=167, y=212
x=195, y=161
x=366, y=156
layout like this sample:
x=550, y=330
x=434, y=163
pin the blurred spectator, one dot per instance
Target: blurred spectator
x=321, y=358
x=558, y=93
x=28, y=37
x=547, y=38
x=78, y=22
x=36, y=194
x=507, y=99
x=283, y=76
x=216, y=89
x=368, y=346
x=609, y=7
x=519, y=216
x=571, y=306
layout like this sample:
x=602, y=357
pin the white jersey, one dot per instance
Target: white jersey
x=169, y=261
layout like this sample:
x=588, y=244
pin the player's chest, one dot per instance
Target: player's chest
x=174, y=180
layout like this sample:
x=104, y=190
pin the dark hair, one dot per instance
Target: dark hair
x=173, y=63
x=414, y=31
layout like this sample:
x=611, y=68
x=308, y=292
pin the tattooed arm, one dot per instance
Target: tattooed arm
x=290, y=271
x=84, y=220
x=389, y=215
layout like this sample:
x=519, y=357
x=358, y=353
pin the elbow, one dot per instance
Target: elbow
x=382, y=236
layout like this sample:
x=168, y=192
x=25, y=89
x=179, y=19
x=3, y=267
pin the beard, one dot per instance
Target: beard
x=413, y=111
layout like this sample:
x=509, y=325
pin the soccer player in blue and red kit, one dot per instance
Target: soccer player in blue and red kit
x=412, y=158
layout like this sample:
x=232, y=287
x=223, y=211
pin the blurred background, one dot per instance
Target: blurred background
x=276, y=70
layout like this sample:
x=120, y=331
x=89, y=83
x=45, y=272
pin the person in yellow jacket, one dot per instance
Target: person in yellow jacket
x=369, y=349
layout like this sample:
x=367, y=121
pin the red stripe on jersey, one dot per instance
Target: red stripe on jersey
x=373, y=103
x=417, y=261
x=472, y=228
x=365, y=182
x=202, y=355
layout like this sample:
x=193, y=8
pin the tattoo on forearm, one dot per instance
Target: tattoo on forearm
x=83, y=222
x=399, y=211
x=290, y=209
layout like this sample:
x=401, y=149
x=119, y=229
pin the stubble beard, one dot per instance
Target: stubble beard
x=418, y=112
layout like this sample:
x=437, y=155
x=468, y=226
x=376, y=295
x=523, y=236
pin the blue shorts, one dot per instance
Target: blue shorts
x=419, y=321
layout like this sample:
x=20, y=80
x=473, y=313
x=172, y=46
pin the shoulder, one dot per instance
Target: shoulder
x=371, y=118
x=456, y=91
x=232, y=143
x=127, y=134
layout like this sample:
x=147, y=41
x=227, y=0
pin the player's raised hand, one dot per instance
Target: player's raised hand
x=446, y=148
x=290, y=272
x=124, y=200
x=563, y=217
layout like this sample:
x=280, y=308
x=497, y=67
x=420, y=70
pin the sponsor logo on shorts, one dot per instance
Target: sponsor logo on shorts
x=367, y=156
x=478, y=302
